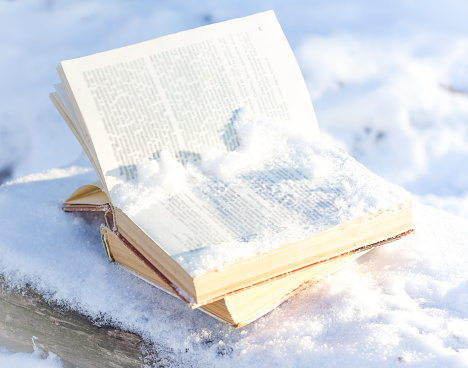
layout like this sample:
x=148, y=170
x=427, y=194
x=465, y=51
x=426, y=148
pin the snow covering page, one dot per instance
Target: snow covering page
x=279, y=185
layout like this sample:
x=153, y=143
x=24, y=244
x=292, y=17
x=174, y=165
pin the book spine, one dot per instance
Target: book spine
x=109, y=216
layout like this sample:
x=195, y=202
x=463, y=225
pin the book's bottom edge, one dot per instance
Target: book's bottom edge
x=270, y=307
x=327, y=260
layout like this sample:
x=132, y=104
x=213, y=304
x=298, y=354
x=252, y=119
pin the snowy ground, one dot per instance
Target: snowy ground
x=389, y=81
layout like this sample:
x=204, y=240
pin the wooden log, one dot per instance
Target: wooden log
x=25, y=315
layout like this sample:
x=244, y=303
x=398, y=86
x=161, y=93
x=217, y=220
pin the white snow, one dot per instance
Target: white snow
x=398, y=301
x=389, y=83
x=301, y=186
x=37, y=359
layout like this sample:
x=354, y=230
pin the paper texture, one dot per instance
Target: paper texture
x=180, y=92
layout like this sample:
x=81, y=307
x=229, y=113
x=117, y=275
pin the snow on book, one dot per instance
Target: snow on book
x=210, y=160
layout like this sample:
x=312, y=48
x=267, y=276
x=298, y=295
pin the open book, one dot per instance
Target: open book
x=207, y=150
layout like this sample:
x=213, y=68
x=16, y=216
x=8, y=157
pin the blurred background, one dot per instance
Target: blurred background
x=388, y=79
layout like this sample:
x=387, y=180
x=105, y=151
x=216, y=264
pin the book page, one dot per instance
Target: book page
x=181, y=92
x=64, y=101
x=216, y=212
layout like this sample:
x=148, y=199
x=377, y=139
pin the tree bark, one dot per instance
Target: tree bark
x=24, y=315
